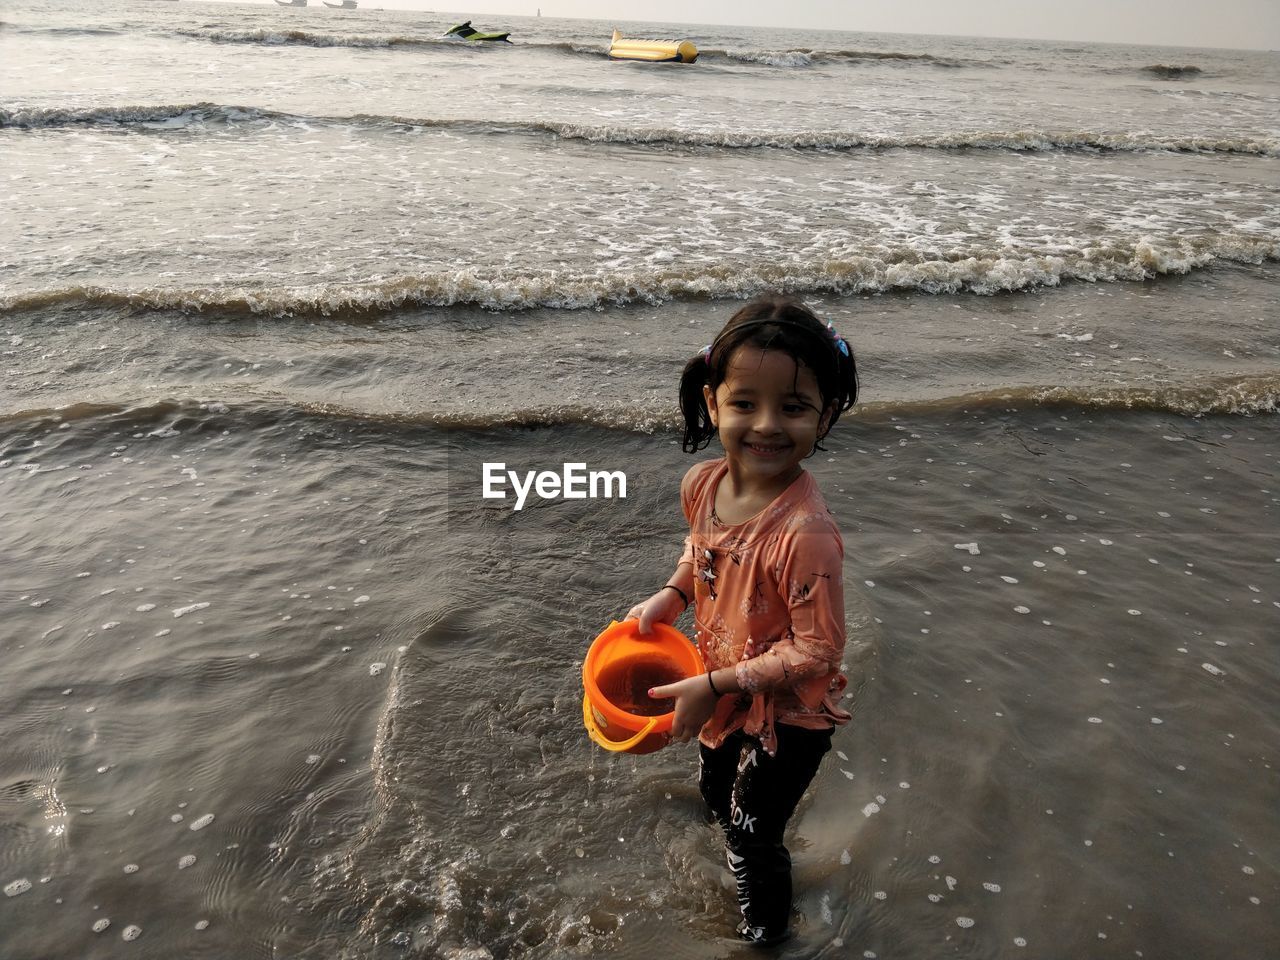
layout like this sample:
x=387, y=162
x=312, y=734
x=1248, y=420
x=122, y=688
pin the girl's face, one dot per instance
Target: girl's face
x=768, y=412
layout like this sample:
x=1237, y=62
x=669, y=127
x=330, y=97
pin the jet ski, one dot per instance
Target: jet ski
x=464, y=31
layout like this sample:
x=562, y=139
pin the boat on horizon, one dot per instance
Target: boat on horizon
x=292, y=3
x=344, y=5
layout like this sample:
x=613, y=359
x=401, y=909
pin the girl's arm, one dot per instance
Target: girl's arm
x=810, y=583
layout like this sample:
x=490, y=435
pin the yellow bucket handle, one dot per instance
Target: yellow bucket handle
x=614, y=746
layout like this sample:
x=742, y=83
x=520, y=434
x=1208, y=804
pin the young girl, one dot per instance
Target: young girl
x=762, y=566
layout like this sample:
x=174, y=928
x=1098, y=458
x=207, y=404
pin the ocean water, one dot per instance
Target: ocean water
x=278, y=681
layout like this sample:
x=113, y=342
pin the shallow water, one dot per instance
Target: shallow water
x=1059, y=659
x=278, y=679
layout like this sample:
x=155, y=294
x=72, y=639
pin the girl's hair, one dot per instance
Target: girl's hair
x=770, y=322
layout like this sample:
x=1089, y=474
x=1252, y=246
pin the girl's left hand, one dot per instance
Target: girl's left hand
x=694, y=705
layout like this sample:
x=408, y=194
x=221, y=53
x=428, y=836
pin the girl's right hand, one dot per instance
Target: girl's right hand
x=663, y=607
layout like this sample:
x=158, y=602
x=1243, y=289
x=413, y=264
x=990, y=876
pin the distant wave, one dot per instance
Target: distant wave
x=63, y=31
x=1166, y=71
x=802, y=57
x=983, y=272
x=308, y=38
x=1017, y=140
x=1246, y=395
x=795, y=57
x=30, y=118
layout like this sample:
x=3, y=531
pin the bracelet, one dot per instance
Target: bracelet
x=712, y=684
x=683, y=596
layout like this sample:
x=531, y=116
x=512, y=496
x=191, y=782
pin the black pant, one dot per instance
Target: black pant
x=752, y=795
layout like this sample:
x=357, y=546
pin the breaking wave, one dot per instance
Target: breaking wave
x=803, y=57
x=1247, y=395
x=1032, y=140
x=307, y=38
x=500, y=289
x=1166, y=71
x=795, y=57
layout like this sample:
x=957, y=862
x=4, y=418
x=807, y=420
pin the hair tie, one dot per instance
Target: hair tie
x=706, y=353
x=840, y=344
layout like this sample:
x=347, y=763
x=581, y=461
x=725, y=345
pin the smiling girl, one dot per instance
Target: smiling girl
x=762, y=566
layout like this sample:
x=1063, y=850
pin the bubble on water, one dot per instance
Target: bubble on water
x=363, y=598
x=845, y=858
x=870, y=808
x=1134, y=613
x=376, y=668
x=1009, y=579
x=950, y=882
x=202, y=924
x=100, y=924
x=176, y=818
x=186, y=861
x=935, y=859
x=992, y=887
x=1019, y=941
x=1095, y=719
x=1255, y=901
x=130, y=868
x=1021, y=609
x=935, y=897
x=190, y=608
x=881, y=895
x=1210, y=668
x=1060, y=551
x=965, y=922
x=201, y=822
x=145, y=607
x=313, y=758
x=972, y=548
x=163, y=633
x=1156, y=720
x=1038, y=563
x=904, y=785
x=131, y=932
x=848, y=774
x=1248, y=870
x=1106, y=543
x=17, y=887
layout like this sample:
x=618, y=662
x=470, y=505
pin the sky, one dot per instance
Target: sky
x=1244, y=24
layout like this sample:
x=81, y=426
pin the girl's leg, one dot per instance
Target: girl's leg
x=765, y=793
x=716, y=772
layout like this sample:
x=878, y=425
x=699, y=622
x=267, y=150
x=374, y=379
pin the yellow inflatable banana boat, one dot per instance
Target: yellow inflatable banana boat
x=654, y=51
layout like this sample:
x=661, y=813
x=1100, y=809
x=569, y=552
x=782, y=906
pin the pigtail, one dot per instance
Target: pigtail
x=698, y=428
x=846, y=383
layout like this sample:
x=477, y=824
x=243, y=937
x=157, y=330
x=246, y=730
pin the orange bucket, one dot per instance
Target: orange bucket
x=620, y=668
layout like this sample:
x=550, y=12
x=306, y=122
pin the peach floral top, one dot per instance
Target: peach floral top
x=776, y=579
